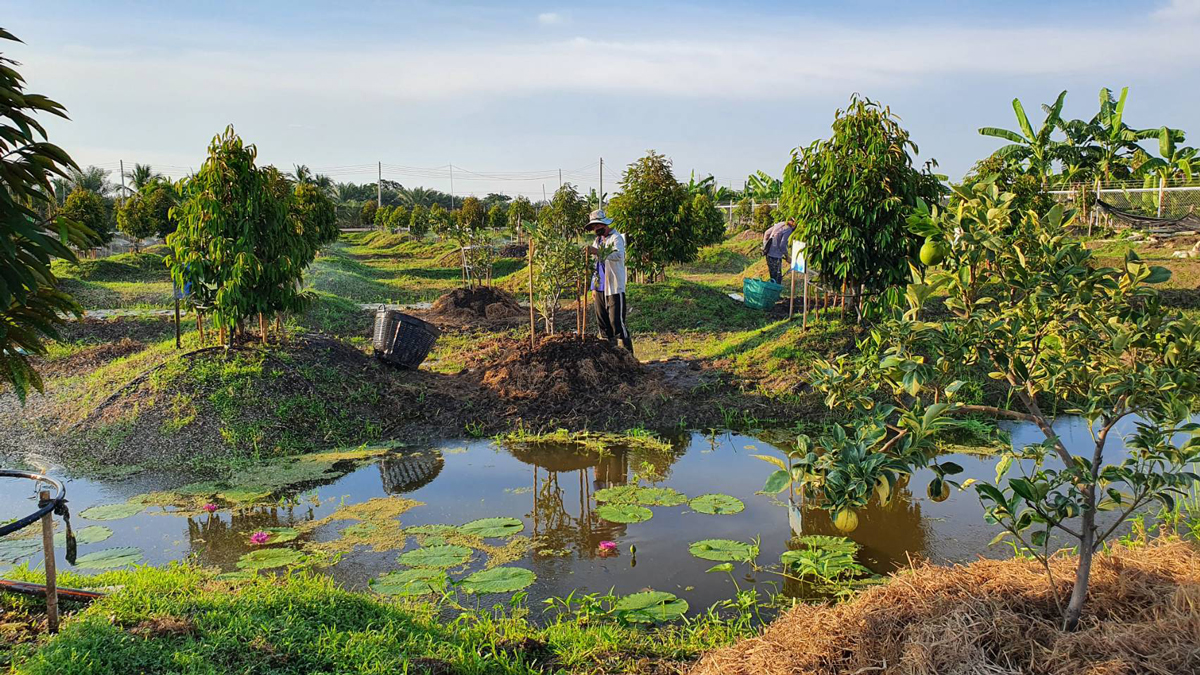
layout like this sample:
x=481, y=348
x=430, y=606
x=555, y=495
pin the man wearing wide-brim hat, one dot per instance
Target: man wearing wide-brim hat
x=608, y=279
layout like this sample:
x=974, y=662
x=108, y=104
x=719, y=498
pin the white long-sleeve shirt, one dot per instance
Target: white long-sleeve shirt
x=613, y=264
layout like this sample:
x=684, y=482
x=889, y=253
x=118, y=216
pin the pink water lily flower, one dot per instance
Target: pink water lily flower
x=260, y=537
x=608, y=548
x=210, y=507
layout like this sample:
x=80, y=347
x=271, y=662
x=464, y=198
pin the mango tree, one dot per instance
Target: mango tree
x=1059, y=333
x=559, y=262
x=851, y=194
x=31, y=304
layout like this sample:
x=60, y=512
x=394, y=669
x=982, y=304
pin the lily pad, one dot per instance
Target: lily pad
x=269, y=558
x=12, y=550
x=112, y=511
x=411, y=582
x=646, y=496
x=443, y=556
x=92, y=534
x=829, y=543
x=722, y=549
x=493, y=527
x=498, y=580
x=624, y=513
x=110, y=557
x=430, y=529
x=650, y=607
x=280, y=535
x=717, y=504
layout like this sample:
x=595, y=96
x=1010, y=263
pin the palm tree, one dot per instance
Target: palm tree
x=1035, y=147
x=324, y=183
x=347, y=192
x=302, y=174
x=141, y=176
x=91, y=178
x=418, y=196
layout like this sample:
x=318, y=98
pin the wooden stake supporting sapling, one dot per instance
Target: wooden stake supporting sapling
x=51, y=572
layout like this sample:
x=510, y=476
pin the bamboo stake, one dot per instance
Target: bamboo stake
x=200, y=325
x=532, y=320
x=262, y=327
x=51, y=572
x=792, y=299
x=178, y=342
x=804, y=324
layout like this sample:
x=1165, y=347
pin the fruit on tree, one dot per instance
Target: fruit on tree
x=845, y=520
x=932, y=253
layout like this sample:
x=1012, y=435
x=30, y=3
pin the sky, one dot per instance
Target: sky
x=510, y=93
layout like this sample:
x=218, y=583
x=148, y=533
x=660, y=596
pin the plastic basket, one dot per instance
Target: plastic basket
x=403, y=340
x=760, y=293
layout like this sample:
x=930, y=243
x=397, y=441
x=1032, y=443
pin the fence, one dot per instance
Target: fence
x=1170, y=200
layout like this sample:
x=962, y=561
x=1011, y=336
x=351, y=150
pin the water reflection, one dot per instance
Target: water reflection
x=409, y=470
x=219, y=539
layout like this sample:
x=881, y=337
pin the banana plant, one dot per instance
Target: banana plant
x=1117, y=141
x=761, y=187
x=1173, y=162
x=1036, y=148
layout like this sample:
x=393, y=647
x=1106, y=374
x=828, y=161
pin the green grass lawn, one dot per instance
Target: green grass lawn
x=179, y=620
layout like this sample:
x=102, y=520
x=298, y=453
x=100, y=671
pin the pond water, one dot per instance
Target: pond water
x=552, y=490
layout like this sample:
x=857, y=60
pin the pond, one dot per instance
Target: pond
x=552, y=490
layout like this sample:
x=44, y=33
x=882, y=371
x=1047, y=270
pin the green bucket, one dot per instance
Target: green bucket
x=760, y=293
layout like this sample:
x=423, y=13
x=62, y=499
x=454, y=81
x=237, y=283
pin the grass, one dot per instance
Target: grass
x=178, y=619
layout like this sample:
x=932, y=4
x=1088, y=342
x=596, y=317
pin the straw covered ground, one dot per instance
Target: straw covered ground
x=994, y=617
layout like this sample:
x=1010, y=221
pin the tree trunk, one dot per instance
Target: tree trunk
x=1079, y=592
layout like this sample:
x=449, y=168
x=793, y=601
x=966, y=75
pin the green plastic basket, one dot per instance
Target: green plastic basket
x=760, y=293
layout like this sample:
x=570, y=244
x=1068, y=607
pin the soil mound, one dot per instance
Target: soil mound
x=994, y=616
x=513, y=250
x=91, y=357
x=565, y=369
x=483, y=302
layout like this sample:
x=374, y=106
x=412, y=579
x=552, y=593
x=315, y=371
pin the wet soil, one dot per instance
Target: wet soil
x=474, y=305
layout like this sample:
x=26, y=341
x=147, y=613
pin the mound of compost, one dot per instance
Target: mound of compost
x=513, y=250
x=483, y=302
x=565, y=368
x=994, y=616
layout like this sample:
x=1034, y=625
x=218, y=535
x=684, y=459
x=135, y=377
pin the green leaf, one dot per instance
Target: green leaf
x=650, y=607
x=624, y=513
x=723, y=567
x=646, y=496
x=717, y=504
x=1158, y=275
x=92, y=534
x=770, y=459
x=110, y=557
x=498, y=580
x=440, y=556
x=722, y=549
x=234, y=576
x=112, y=511
x=12, y=550
x=776, y=482
x=410, y=582
x=269, y=558
x=493, y=527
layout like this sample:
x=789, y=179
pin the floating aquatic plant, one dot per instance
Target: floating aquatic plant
x=624, y=513
x=723, y=549
x=498, y=580
x=493, y=527
x=110, y=557
x=269, y=558
x=410, y=582
x=259, y=537
x=112, y=511
x=440, y=557
x=717, y=504
x=650, y=607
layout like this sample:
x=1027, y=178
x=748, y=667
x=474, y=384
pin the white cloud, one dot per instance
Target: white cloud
x=550, y=18
x=1179, y=10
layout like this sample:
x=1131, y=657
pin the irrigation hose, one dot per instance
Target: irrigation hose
x=57, y=504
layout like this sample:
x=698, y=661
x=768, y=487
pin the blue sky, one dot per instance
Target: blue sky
x=515, y=91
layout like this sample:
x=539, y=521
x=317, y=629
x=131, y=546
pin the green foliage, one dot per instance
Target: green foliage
x=1033, y=309
x=133, y=220
x=498, y=580
x=764, y=217
x=520, y=212
x=109, y=558
x=246, y=235
x=722, y=550
x=497, y=217
x=31, y=304
x=112, y=511
x=762, y=187
x=398, y=218
x=624, y=513
x=659, y=222
x=650, y=607
x=366, y=215
x=471, y=216
x=560, y=262
x=269, y=558
x=441, y=221
x=88, y=210
x=381, y=218
x=493, y=527
x=717, y=504
x=1035, y=150
x=410, y=582
x=439, y=556
x=418, y=222
x=850, y=196
x=743, y=214
x=822, y=559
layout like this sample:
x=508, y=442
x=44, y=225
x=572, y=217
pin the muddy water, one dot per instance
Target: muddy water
x=552, y=490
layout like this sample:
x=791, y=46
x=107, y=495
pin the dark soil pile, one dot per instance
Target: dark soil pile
x=90, y=357
x=483, y=302
x=513, y=251
x=564, y=374
x=994, y=616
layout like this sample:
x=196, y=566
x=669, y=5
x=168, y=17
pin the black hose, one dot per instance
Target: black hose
x=56, y=503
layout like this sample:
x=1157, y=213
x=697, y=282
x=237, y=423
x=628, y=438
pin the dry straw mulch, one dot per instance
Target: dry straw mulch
x=994, y=617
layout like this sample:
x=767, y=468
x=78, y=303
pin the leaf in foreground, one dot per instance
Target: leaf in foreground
x=722, y=549
x=92, y=534
x=493, y=527
x=112, y=511
x=410, y=582
x=110, y=557
x=624, y=513
x=650, y=607
x=441, y=556
x=280, y=535
x=498, y=580
x=269, y=558
x=717, y=504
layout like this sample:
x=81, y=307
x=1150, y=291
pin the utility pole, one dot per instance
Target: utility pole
x=560, y=179
x=122, y=179
x=601, y=194
x=451, y=186
x=379, y=187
